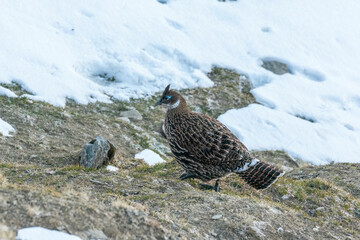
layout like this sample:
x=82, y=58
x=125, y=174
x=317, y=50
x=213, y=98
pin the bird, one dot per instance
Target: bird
x=206, y=149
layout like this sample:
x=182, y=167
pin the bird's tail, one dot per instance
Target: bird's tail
x=259, y=175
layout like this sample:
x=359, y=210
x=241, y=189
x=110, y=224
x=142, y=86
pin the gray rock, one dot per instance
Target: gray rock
x=276, y=67
x=97, y=152
x=95, y=234
x=132, y=115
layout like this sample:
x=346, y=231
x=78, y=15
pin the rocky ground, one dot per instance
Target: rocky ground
x=41, y=183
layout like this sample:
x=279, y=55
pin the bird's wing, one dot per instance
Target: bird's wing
x=208, y=141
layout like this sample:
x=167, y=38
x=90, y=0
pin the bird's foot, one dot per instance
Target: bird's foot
x=186, y=175
x=216, y=187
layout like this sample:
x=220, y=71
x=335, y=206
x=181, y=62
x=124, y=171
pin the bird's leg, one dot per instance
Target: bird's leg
x=216, y=187
x=186, y=175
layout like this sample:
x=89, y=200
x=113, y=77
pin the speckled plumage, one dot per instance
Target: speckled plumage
x=203, y=146
x=206, y=148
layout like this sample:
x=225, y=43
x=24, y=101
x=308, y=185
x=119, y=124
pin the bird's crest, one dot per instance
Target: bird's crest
x=166, y=90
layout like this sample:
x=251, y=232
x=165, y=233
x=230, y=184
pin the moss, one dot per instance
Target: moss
x=144, y=142
x=300, y=195
x=71, y=168
x=282, y=191
x=317, y=184
x=147, y=197
x=15, y=87
x=5, y=165
x=146, y=169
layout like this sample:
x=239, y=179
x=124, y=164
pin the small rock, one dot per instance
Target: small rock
x=213, y=233
x=285, y=197
x=97, y=152
x=286, y=169
x=66, y=114
x=126, y=119
x=320, y=209
x=357, y=212
x=276, y=67
x=49, y=171
x=132, y=115
x=216, y=217
x=96, y=234
x=280, y=230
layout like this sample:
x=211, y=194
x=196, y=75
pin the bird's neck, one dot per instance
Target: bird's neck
x=180, y=106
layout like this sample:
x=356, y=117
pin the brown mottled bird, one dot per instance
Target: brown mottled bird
x=207, y=149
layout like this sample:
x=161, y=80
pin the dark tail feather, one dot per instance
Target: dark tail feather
x=261, y=175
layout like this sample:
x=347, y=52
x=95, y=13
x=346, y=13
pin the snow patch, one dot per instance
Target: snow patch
x=262, y=128
x=150, y=157
x=7, y=92
x=112, y=168
x=5, y=128
x=40, y=233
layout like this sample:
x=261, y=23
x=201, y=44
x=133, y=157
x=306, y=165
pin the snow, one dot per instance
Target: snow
x=261, y=128
x=112, y=168
x=7, y=92
x=5, y=128
x=39, y=233
x=68, y=49
x=149, y=156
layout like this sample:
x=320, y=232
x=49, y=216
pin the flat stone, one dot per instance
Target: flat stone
x=132, y=115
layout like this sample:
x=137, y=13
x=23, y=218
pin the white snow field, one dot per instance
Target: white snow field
x=69, y=49
x=40, y=233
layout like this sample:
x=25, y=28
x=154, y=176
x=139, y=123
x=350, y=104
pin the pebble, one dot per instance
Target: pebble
x=320, y=209
x=285, y=197
x=49, y=171
x=216, y=217
x=126, y=119
x=316, y=229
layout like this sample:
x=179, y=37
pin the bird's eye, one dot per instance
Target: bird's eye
x=167, y=97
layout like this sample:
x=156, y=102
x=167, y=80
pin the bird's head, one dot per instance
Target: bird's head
x=169, y=98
